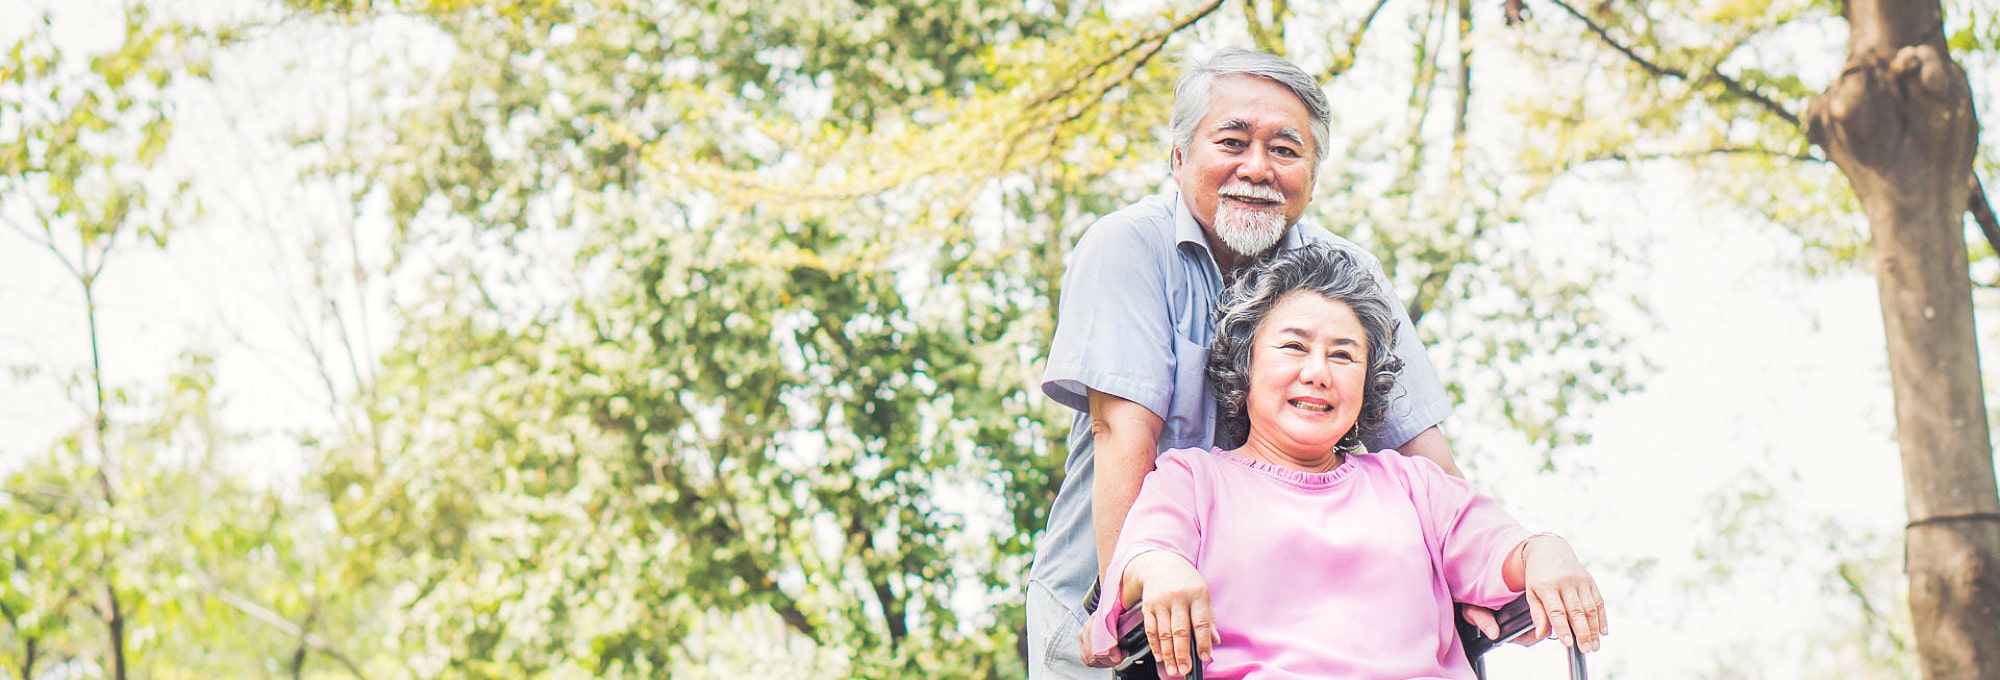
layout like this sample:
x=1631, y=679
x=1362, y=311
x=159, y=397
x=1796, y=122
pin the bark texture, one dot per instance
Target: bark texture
x=1899, y=122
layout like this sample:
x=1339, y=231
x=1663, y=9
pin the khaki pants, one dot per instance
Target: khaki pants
x=1052, y=649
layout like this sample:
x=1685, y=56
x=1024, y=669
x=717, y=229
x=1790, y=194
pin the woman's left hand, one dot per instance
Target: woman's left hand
x=1562, y=597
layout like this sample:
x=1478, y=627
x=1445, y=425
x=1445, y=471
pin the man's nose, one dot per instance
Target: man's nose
x=1256, y=166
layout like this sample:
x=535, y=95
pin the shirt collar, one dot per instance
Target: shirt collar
x=1185, y=228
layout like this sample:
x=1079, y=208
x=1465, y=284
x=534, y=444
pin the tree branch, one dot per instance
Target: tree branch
x=1098, y=97
x=1982, y=212
x=894, y=609
x=1698, y=153
x=299, y=654
x=1728, y=82
x=29, y=642
x=1869, y=614
x=1976, y=203
x=1099, y=65
x=115, y=623
x=1267, y=36
x=45, y=243
x=274, y=620
x=104, y=253
x=1427, y=288
x=1346, y=61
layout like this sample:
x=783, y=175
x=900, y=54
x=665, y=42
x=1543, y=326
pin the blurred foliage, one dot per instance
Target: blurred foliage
x=79, y=135
x=212, y=576
x=705, y=366
x=1754, y=530
x=105, y=543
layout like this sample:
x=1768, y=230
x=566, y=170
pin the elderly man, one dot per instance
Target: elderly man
x=1132, y=334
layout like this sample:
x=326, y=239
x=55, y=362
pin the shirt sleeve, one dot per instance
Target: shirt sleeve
x=1419, y=399
x=1163, y=518
x=1473, y=533
x=1113, y=332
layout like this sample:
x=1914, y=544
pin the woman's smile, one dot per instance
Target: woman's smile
x=1313, y=404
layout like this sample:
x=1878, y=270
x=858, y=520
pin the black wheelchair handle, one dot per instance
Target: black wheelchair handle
x=1514, y=619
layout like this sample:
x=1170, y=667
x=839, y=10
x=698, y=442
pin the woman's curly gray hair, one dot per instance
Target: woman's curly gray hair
x=1322, y=269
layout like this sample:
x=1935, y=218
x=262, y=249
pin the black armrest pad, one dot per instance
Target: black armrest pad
x=1514, y=620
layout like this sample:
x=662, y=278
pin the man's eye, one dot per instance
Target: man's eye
x=1231, y=143
x=1286, y=151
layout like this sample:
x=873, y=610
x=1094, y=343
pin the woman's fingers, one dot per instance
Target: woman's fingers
x=1603, y=617
x=1557, y=614
x=1181, y=630
x=1574, y=613
x=1538, y=613
x=1179, y=623
x=1204, y=630
x=1593, y=610
x=1154, y=627
x=1157, y=635
x=1579, y=609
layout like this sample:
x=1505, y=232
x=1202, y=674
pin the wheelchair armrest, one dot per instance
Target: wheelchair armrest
x=1514, y=619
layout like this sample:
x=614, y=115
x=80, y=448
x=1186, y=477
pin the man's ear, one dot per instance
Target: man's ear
x=1174, y=159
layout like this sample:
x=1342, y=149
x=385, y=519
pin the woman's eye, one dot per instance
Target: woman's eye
x=1292, y=347
x=1343, y=357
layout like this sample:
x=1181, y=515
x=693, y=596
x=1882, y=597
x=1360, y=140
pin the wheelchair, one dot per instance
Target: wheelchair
x=1514, y=619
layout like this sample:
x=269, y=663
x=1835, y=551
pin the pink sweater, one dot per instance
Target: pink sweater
x=1349, y=573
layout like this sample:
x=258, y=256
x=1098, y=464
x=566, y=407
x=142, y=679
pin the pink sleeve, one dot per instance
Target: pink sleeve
x=1163, y=517
x=1473, y=532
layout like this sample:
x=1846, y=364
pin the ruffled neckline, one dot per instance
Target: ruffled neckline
x=1297, y=478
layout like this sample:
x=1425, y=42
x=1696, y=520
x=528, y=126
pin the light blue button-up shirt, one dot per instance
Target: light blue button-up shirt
x=1134, y=322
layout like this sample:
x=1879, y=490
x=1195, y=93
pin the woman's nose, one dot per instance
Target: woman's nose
x=1315, y=373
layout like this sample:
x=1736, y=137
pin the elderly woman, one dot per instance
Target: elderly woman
x=1298, y=554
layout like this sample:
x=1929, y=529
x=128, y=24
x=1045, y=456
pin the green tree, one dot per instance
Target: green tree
x=1898, y=124
x=67, y=159
x=127, y=549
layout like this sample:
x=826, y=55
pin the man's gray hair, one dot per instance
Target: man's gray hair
x=1191, y=94
x=1325, y=270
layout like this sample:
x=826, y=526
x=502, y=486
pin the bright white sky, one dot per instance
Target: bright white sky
x=1762, y=375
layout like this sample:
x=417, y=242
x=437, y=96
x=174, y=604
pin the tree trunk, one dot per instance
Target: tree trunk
x=1899, y=122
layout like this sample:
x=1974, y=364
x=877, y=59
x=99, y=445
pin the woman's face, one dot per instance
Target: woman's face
x=1308, y=366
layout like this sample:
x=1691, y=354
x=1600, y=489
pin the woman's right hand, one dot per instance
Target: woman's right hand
x=1562, y=597
x=1175, y=598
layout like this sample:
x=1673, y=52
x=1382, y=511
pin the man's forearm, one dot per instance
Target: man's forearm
x=1117, y=481
x=1126, y=436
x=1432, y=445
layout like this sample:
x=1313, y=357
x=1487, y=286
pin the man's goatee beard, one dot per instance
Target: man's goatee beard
x=1249, y=232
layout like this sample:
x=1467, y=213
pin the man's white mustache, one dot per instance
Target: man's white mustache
x=1252, y=191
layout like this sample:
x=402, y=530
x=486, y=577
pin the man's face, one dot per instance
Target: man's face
x=1248, y=172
